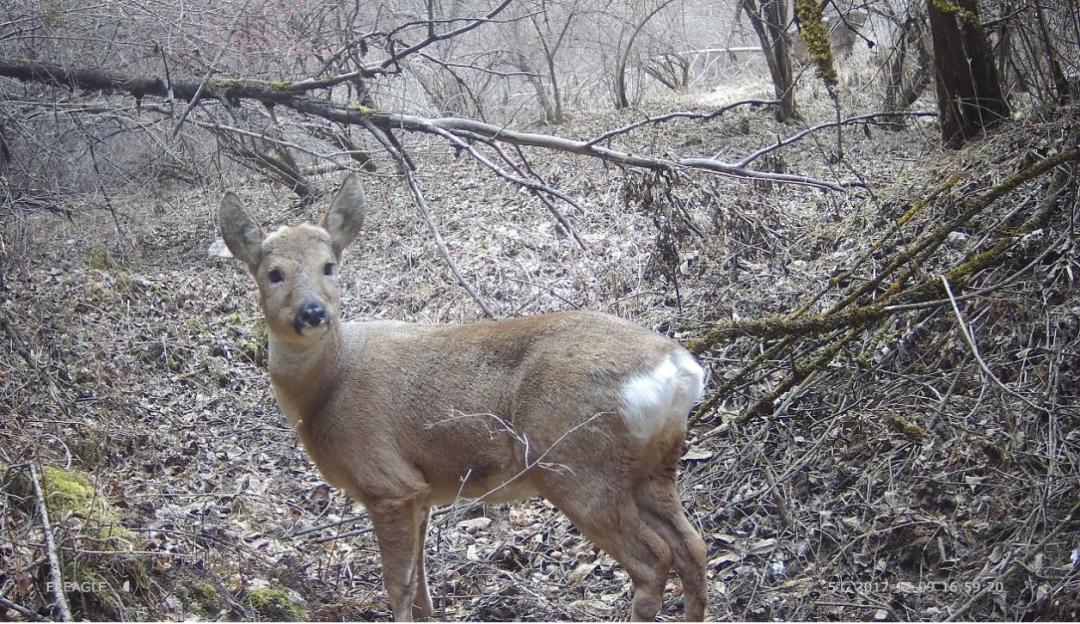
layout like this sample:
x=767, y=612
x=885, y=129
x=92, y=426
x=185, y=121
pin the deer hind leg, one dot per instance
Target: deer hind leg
x=613, y=522
x=662, y=509
x=398, y=525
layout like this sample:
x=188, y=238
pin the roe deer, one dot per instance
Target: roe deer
x=582, y=408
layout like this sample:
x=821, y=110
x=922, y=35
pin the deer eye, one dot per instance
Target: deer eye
x=275, y=276
x=328, y=268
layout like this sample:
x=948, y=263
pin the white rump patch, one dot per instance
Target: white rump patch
x=663, y=395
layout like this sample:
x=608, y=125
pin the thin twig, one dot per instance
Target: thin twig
x=209, y=72
x=563, y=222
x=425, y=212
x=535, y=187
x=970, y=340
x=1066, y=521
x=485, y=70
x=121, y=240
x=330, y=525
x=778, y=497
x=364, y=530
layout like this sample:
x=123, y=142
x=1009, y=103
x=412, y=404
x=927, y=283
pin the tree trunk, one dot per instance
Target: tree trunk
x=969, y=94
x=621, y=99
x=902, y=90
x=556, y=96
x=1061, y=85
x=522, y=64
x=769, y=21
x=552, y=43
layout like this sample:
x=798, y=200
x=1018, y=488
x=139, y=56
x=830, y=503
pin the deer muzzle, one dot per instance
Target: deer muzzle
x=311, y=314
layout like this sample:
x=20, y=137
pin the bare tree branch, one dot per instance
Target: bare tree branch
x=486, y=70
x=396, y=57
x=406, y=169
x=680, y=115
x=209, y=72
x=621, y=99
x=859, y=119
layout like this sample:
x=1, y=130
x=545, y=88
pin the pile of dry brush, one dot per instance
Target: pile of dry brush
x=906, y=443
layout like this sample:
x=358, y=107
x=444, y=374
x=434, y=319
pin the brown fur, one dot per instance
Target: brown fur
x=403, y=416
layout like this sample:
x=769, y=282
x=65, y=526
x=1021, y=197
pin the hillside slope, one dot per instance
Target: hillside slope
x=902, y=483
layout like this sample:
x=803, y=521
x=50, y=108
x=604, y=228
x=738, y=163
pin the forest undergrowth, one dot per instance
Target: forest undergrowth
x=892, y=430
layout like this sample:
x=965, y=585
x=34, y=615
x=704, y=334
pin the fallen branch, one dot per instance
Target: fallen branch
x=209, y=72
x=23, y=611
x=784, y=325
x=56, y=580
x=286, y=95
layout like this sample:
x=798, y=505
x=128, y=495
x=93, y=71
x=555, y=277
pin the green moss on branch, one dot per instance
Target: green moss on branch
x=816, y=36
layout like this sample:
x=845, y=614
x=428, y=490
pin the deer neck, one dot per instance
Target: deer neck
x=301, y=374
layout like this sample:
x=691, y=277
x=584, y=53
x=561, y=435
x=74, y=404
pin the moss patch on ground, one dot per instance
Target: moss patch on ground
x=275, y=605
x=201, y=598
x=102, y=579
x=66, y=492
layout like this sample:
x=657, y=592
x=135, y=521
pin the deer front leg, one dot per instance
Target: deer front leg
x=398, y=525
x=422, y=607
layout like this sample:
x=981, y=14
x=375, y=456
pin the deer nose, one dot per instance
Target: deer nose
x=312, y=314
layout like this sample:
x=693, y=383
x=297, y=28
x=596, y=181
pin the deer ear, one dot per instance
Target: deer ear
x=242, y=235
x=346, y=214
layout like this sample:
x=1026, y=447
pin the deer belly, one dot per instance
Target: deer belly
x=496, y=488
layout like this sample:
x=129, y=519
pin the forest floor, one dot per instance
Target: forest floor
x=900, y=482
